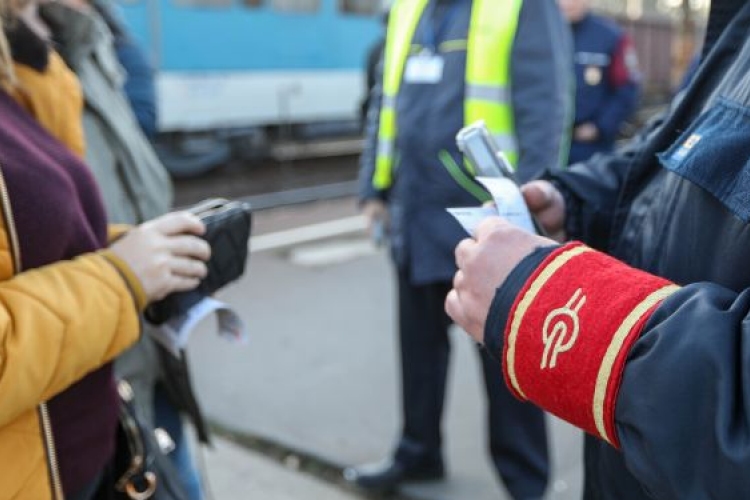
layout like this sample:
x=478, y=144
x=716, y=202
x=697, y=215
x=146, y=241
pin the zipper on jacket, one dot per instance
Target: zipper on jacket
x=14, y=247
x=49, y=445
x=46, y=425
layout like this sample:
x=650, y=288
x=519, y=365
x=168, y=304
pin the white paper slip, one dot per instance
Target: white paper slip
x=470, y=217
x=509, y=201
x=175, y=333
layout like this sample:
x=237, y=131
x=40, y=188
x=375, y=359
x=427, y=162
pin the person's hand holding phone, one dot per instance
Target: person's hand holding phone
x=547, y=206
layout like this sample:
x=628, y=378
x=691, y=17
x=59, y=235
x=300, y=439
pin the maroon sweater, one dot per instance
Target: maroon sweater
x=58, y=215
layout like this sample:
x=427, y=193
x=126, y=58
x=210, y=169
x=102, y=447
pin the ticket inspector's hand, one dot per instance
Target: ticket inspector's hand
x=547, y=206
x=484, y=262
x=166, y=253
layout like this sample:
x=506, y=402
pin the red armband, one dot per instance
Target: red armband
x=569, y=332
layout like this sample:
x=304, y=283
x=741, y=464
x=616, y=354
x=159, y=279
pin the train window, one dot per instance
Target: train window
x=361, y=7
x=296, y=5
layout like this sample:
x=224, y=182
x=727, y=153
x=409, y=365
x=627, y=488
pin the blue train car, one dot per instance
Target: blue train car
x=224, y=64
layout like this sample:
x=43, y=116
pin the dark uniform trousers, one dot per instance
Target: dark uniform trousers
x=517, y=432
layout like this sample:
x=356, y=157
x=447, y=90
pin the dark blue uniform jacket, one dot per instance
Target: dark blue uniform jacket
x=676, y=203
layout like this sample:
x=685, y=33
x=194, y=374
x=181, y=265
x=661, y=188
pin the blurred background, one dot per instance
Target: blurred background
x=253, y=81
x=263, y=100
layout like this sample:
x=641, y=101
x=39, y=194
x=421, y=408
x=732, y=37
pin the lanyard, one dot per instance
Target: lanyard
x=434, y=28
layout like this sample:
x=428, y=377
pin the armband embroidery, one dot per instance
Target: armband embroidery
x=569, y=332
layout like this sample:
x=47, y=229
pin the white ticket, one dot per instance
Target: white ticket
x=174, y=334
x=470, y=217
x=509, y=204
x=509, y=201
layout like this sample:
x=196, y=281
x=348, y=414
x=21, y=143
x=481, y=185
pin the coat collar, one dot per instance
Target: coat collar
x=27, y=47
x=722, y=12
x=76, y=33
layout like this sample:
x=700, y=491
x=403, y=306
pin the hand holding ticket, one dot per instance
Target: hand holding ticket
x=509, y=204
x=496, y=174
x=470, y=217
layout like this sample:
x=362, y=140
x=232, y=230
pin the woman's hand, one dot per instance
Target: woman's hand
x=166, y=254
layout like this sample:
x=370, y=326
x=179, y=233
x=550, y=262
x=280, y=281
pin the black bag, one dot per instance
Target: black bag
x=140, y=470
x=228, y=227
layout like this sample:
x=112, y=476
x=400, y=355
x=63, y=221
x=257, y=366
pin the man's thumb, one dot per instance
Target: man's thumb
x=538, y=194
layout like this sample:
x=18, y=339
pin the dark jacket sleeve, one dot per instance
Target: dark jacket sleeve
x=625, y=85
x=591, y=189
x=683, y=413
x=369, y=153
x=542, y=88
x=681, y=408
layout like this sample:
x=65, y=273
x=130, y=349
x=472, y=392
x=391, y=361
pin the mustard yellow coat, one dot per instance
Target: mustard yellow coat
x=54, y=97
x=88, y=310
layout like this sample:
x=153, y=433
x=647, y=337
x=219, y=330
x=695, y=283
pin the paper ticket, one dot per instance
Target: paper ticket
x=509, y=201
x=509, y=204
x=470, y=217
x=175, y=333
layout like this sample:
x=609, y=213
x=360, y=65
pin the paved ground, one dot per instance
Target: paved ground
x=234, y=472
x=316, y=387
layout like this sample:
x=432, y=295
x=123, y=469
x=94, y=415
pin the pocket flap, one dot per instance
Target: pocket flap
x=714, y=153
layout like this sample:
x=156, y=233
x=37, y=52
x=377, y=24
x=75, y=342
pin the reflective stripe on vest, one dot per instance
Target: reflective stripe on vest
x=490, y=40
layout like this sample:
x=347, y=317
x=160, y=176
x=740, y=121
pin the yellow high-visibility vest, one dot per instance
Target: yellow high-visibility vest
x=492, y=30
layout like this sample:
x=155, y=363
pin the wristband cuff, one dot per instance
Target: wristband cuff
x=570, y=329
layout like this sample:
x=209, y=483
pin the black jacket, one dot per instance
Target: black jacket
x=676, y=203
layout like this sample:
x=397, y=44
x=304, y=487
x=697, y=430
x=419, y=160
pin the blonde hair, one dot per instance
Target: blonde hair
x=7, y=77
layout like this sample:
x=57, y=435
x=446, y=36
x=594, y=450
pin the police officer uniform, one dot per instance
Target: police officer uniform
x=607, y=83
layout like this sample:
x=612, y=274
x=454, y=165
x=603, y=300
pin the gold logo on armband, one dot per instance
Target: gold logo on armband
x=560, y=330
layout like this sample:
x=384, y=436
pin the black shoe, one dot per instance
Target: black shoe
x=385, y=477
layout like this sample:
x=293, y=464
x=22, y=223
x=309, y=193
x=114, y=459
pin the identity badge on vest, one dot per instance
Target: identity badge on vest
x=424, y=67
